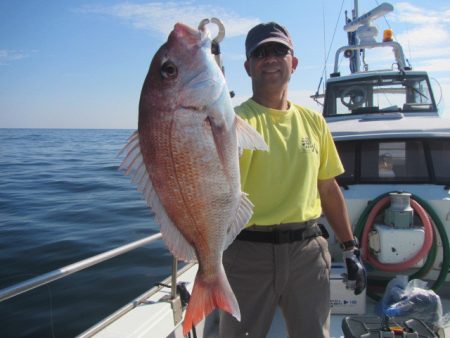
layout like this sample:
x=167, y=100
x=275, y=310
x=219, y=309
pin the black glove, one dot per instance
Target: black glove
x=356, y=276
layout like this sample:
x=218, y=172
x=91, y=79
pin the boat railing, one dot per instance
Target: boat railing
x=54, y=275
x=396, y=47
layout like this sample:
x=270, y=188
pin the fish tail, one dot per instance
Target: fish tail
x=206, y=296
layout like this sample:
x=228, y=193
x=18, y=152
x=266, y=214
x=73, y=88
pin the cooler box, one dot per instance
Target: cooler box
x=372, y=327
x=343, y=301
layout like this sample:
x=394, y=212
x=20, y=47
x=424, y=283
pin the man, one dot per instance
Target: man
x=280, y=259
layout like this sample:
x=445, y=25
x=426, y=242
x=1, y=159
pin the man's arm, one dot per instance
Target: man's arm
x=333, y=205
x=335, y=209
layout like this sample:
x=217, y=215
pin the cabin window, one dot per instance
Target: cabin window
x=395, y=161
x=379, y=94
x=417, y=92
x=440, y=156
x=347, y=153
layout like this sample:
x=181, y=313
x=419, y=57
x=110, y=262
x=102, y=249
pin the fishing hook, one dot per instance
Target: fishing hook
x=218, y=22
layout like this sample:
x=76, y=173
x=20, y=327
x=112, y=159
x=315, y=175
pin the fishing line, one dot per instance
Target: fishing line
x=384, y=16
x=329, y=49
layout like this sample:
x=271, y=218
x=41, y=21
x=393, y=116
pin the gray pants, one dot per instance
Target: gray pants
x=294, y=276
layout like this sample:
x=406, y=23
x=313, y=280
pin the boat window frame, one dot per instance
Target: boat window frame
x=355, y=82
x=357, y=165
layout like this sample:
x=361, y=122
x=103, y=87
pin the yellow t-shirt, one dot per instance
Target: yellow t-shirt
x=282, y=183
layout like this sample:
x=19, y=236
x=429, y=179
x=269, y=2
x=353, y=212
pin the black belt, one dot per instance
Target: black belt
x=279, y=236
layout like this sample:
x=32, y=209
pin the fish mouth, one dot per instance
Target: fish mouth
x=183, y=30
x=193, y=36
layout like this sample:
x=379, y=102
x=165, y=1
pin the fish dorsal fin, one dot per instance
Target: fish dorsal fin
x=244, y=212
x=133, y=165
x=248, y=137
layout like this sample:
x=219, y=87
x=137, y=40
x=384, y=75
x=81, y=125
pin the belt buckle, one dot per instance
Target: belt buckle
x=282, y=236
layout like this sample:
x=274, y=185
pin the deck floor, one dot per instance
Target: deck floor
x=154, y=318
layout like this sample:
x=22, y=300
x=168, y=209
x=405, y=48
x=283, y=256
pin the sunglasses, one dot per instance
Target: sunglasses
x=264, y=51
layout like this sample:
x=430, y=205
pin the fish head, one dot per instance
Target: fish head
x=183, y=74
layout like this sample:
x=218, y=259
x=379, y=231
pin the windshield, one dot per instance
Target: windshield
x=379, y=94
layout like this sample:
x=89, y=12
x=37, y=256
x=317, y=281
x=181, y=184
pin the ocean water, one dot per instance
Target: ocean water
x=62, y=199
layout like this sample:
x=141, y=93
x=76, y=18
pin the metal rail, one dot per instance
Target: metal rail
x=396, y=47
x=49, y=277
x=92, y=331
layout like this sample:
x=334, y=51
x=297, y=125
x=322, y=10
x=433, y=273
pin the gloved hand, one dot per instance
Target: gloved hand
x=356, y=276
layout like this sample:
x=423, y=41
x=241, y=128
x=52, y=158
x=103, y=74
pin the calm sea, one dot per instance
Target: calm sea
x=62, y=199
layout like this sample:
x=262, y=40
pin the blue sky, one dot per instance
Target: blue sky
x=81, y=64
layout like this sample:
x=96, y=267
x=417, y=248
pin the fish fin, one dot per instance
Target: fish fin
x=134, y=166
x=206, y=296
x=211, y=124
x=248, y=137
x=175, y=241
x=243, y=215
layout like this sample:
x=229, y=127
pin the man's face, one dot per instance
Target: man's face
x=271, y=64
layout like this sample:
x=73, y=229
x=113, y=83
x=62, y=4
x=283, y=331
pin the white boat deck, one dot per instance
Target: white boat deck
x=154, y=318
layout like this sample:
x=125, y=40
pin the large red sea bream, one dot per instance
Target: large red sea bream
x=184, y=158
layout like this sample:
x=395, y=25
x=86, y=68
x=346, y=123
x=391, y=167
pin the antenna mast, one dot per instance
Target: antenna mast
x=355, y=60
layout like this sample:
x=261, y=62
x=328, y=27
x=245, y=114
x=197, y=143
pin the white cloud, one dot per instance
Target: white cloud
x=434, y=65
x=408, y=13
x=10, y=55
x=420, y=53
x=159, y=17
x=425, y=38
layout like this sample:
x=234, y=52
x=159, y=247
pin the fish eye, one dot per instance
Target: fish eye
x=169, y=70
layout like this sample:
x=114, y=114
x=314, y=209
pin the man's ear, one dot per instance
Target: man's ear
x=294, y=63
x=247, y=67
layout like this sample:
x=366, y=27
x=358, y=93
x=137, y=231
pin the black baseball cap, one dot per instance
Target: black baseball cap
x=267, y=32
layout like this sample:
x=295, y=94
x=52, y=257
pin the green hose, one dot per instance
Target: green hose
x=444, y=238
x=431, y=257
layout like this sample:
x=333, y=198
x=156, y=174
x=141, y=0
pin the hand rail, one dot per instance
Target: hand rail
x=92, y=331
x=396, y=47
x=51, y=276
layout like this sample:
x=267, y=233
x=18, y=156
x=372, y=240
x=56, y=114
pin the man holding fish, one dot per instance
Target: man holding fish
x=280, y=258
x=184, y=158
